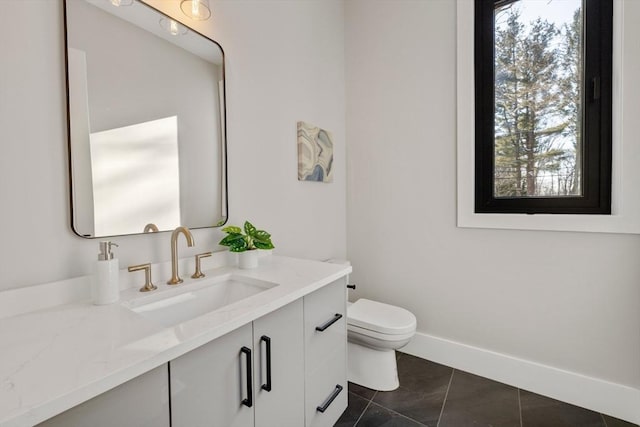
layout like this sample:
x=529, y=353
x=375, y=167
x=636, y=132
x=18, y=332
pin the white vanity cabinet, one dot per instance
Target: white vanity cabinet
x=306, y=371
x=325, y=335
x=251, y=377
x=140, y=402
x=284, y=369
x=191, y=351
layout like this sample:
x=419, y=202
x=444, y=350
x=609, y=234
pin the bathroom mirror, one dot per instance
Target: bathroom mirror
x=146, y=121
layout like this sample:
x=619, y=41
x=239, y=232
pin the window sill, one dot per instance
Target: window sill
x=583, y=223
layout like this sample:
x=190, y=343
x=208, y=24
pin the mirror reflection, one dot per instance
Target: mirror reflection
x=146, y=121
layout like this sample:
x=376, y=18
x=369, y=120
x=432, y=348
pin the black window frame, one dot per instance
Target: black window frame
x=597, y=117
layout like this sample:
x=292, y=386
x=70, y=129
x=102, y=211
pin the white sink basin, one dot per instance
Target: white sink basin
x=180, y=303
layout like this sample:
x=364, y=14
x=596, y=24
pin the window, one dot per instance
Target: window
x=543, y=106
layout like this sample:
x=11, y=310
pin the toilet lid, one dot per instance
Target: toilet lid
x=380, y=317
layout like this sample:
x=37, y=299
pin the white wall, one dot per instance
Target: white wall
x=567, y=300
x=285, y=63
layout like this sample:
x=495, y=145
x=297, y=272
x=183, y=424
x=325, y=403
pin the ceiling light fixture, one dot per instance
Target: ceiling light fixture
x=118, y=3
x=196, y=9
x=172, y=27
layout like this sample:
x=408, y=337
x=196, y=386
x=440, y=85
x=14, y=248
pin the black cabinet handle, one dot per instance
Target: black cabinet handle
x=353, y=286
x=321, y=328
x=249, y=400
x=267, y=340
x=330, y=399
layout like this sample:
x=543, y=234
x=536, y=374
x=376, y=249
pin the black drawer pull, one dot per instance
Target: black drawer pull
x=249, y=400
x=352, y=286
x=322, y=328
x=330, y=399
x=267, y=340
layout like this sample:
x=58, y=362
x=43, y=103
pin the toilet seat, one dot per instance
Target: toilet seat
x=390, y=339
x=380, y=320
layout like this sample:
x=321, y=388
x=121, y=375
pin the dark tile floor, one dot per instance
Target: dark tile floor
x=435, y=395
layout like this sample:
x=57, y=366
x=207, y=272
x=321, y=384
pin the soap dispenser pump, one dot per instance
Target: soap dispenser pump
x=104, y=287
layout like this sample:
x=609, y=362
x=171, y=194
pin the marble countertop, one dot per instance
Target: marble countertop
x=56, y=357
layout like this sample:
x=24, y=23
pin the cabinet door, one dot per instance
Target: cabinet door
x=140, y=402
x=280, y=401
x=209, y=384
x=325, y=334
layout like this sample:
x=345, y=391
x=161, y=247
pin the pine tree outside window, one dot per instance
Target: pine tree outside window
x=543, y=106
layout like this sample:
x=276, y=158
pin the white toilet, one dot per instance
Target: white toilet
x=374, y=332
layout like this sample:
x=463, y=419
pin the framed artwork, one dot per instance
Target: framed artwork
x=315, y=153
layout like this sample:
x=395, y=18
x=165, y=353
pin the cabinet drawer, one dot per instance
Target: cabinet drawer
x=324, y=309
x=326, y=381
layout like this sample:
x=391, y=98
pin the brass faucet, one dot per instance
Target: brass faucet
x=175, y=279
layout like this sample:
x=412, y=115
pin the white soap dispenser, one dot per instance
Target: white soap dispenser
x=104, y=284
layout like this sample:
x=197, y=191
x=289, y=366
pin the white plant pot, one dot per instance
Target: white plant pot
x=248, y=259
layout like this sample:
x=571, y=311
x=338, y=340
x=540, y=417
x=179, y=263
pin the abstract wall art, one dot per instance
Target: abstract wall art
x=315, y=153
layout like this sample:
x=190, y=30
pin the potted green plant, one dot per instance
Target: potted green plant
x=245, y=244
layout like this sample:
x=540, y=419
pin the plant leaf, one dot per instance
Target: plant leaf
x=261, y=235
x=249, y=228
x=238, y=246
x=232, y=229
x=263, y=245
x=232, y=239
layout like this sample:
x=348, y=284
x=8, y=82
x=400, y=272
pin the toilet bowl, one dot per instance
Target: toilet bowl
x=374, y=332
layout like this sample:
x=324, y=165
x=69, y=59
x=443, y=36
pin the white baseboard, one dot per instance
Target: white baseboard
x=613, y=399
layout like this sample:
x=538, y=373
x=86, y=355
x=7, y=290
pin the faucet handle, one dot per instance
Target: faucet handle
x=198, y=274
x=148, y=286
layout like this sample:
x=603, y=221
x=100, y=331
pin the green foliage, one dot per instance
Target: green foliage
x=250, y=240
x=537, y=106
